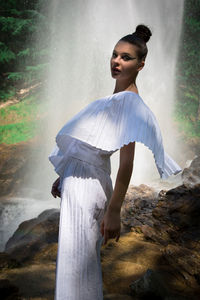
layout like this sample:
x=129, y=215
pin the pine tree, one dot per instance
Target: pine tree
x=24, y=44
x=188, y=69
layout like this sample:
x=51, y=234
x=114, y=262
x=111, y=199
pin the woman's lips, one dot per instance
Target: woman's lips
x=115, y=70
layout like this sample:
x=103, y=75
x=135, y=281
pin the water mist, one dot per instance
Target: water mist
x=83, y=36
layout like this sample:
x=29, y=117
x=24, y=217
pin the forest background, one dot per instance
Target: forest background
x=24, y=64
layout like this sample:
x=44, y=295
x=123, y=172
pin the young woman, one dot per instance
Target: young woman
x=90, y=208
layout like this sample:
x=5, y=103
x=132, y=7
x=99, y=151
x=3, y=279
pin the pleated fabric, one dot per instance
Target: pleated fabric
x=81, y=157
x=85, y=194
x=116, y=120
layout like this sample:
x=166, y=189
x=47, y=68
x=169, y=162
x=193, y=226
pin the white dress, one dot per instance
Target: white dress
x=81, y=157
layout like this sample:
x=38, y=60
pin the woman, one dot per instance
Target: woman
x=90, y=208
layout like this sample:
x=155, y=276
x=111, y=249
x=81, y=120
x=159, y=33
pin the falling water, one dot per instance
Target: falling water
x=85, y=33
x=83, y=36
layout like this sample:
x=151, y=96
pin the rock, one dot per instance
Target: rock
x=177, y=213
x=9, y=291
x=173, y=223
x=34, y=281
x=47, y=254
x=154, y=285
x=34, y=236
x=149, y=285
x=191, y=175
x=138, y=205
x=173, y=217
x=7, y=262
x=158, y=258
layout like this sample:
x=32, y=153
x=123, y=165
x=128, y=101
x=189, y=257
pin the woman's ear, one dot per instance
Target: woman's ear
x=141, y=65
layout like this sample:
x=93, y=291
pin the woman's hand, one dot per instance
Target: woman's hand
x=54, y=191
x=111, y=225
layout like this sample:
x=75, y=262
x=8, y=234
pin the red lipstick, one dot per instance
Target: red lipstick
x=116, y=70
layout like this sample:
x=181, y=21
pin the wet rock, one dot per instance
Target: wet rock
x=33, y=236
x=191, y=174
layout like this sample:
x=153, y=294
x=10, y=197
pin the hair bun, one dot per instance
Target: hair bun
x=143, y=32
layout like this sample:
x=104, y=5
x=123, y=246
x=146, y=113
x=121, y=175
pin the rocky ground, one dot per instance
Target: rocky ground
x=157, y=256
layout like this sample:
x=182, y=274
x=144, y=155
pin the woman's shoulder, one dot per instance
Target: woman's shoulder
x=129, y=98
x=122, y=94
x=126, y=95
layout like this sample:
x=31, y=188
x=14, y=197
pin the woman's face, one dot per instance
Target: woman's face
x=124, y=62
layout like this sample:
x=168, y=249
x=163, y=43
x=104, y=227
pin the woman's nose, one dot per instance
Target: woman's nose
x=116, y=60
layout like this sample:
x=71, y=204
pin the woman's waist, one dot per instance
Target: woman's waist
x=93, y=159
x=94, y=156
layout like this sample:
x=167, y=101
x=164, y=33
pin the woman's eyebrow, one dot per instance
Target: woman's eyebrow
x=124, y=53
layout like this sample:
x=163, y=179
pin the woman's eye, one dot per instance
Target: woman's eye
x=126, y=57
x=114, y=55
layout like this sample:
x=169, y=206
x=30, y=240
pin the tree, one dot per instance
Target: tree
x=188, y=69
x=24, y=43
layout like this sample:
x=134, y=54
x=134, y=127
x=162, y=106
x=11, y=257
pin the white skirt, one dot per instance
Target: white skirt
x=85, y=193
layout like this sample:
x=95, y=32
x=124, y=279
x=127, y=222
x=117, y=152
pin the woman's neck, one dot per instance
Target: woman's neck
x=121, y=86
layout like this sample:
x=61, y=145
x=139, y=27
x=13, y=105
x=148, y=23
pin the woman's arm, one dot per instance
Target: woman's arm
x=123, y=176
x=110, y=226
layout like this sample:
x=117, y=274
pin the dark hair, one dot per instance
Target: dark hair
x=139, y=38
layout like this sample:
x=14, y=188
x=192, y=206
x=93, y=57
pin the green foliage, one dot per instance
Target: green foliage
x=24, y=42
x=18, y=132
x=21, y=121
x=15, y=26
x=24, y=53
x=30, y=74
x=6, y=94
x=27, y=108
x=6, y=55
x=188, y=71
x=14, y=76
x=187, y=125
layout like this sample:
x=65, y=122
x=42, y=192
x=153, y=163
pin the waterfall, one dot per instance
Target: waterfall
x=84, y=34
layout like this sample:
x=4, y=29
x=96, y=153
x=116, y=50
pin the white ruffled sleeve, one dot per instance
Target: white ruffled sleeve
x=111, y=122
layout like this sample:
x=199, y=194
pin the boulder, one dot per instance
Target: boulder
x=157, y=256
x=34, y=236
x=170, y=219
x=191, y=174
x=7, y=262
x=138, y=205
